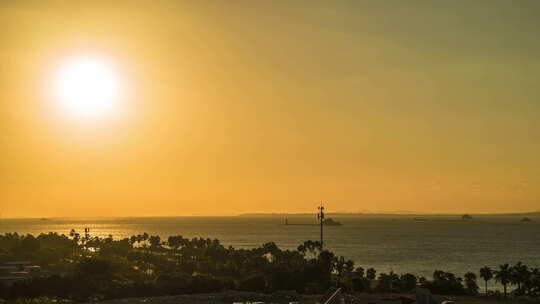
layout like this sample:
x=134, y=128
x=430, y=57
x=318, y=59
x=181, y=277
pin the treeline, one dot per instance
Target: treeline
x=83, y=267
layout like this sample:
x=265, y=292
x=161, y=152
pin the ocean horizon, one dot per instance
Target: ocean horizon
x=399, y=243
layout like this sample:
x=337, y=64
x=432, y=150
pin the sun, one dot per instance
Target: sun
x=88, y=87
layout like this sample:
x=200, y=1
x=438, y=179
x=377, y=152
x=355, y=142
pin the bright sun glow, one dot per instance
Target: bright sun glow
x=88, y=88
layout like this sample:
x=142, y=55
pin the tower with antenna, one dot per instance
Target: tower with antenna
x=320, y=216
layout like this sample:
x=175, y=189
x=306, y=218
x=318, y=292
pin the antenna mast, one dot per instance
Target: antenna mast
x=320, y=216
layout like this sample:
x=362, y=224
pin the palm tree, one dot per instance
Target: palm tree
x=487, y=274
x=175, y=242
x=145, y=238
x=520, y=274
x=470, y=283
x=359, y=271
x=532, y=284
x=343, y=268
x=155, y=242
x=371, y=274
x=504, y=276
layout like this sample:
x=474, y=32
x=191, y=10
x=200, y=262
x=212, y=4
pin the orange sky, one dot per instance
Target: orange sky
x=246, y=106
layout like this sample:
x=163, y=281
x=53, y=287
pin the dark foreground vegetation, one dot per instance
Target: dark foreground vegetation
x=81, y=268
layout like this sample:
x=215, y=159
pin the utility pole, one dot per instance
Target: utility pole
x=320, y=216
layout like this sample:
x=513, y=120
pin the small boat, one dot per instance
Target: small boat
x=466, y=217
x=526, y=219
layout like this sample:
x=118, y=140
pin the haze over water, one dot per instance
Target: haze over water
x=385, y=242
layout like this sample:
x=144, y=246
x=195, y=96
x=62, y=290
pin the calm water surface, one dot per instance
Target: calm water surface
x=384, y=242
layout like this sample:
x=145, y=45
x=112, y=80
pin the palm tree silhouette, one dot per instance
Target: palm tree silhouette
x=470, y=282
x=520, y=274
x=504, y=276
x=487, y=274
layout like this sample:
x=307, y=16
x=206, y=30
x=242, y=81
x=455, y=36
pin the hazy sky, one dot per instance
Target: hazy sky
x=272, y=106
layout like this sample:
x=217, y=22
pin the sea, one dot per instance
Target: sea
x=399, y=243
